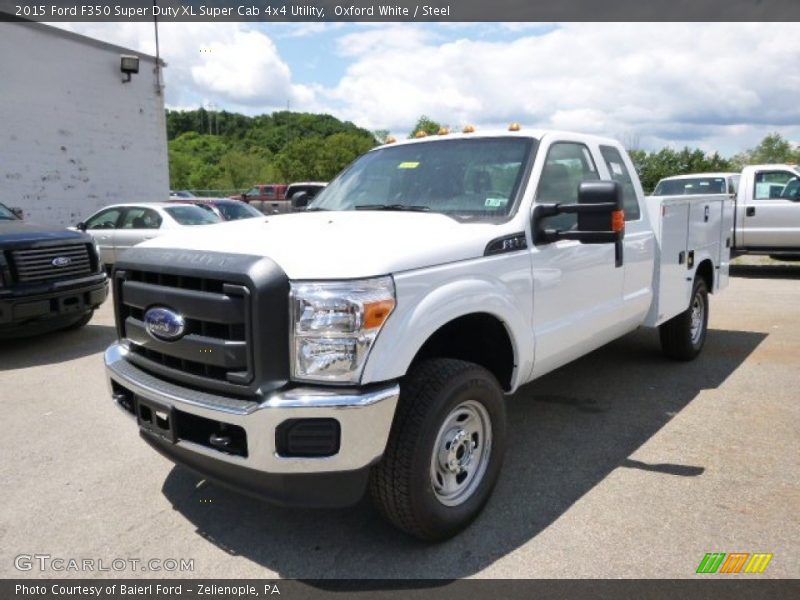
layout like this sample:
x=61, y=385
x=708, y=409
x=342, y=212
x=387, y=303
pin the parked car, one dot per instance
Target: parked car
x=121, y=226
x=766, y=211
x=50, y=278
x=301, y=193
x=411, y=296
x=181, y=194
x=699, y=183
x=269, y=198
x=227, y=209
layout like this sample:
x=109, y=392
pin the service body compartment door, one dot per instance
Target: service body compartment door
x=728, y=209
x=671, y=280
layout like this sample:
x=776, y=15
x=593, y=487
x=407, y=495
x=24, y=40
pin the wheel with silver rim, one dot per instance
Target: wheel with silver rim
x=683, y=336
x=444, y=451
x=698, y=314
x=461, y=453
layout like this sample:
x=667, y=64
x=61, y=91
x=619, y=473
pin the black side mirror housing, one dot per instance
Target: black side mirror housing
x=601, y=219
x=81, y=226
x=300, y=200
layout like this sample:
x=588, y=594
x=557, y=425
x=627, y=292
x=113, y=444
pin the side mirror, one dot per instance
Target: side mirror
x=300, y=200
x=244, y=197
x=601, y=219
x=17, y=212
x=81, y=226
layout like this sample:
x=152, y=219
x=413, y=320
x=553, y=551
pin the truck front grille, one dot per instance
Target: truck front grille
x=50, y=263
x=213, y=352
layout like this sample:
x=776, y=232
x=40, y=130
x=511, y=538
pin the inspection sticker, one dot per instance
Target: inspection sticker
x=495, y=202
x=408, y=165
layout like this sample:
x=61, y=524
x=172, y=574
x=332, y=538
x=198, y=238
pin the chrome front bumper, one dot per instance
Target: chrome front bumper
x=365, y=417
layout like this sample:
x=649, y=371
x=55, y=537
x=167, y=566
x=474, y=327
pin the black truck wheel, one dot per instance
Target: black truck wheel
x=683, y=336
x=444, y=451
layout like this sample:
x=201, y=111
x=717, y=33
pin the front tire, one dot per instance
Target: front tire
x=683, y=336
x=444, y=451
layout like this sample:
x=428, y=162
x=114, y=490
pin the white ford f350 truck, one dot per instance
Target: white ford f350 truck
x=368, y=342
x=767, y=205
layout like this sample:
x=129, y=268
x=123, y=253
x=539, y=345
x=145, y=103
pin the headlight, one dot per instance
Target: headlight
x=334, y=325
x=100, y=265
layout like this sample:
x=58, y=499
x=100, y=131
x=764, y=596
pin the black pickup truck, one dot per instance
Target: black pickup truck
x=50, y=278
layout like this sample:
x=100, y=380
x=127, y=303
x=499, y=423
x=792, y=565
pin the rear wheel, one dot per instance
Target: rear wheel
x=683, y=336
x=444, y=451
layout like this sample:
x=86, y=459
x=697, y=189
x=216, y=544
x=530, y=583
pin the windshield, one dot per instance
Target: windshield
x=475, y=178
x=691, y=185
x=6, y=214
x=233, y=211
x=189, y=214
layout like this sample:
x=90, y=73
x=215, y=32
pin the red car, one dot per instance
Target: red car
x=269, y=198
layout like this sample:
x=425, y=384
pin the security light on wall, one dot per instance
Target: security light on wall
x=128, y=65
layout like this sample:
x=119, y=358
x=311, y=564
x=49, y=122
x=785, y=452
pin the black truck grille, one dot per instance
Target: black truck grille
x=235, y=309
x=213, y=351
x=51, y=262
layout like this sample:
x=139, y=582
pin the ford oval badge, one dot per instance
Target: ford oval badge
x=61, y=261
x=164, y=324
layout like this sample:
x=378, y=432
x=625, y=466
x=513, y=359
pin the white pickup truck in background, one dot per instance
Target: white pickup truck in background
x=369, y=341
x=767, y=205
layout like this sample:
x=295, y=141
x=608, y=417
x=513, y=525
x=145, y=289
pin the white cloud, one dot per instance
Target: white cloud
x=691, y=82
x=230, y=64
x=719, y=85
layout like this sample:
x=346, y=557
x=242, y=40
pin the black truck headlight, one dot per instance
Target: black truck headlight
x=334, y=324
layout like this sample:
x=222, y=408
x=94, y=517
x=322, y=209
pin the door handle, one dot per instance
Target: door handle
x=705, y=215
x=751, y=211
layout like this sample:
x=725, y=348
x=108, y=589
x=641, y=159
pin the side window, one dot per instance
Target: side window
x=567, y=165
x=619, y=173
x=773, y=184
x=269, y=192
x=106, y=219
x=141, y=218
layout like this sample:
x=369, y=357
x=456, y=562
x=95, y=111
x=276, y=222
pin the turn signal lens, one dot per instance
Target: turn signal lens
x=389, y=140
x=421, y=134
x=375, y=313
x=469, y=129
x=617, y=220
x=444, y=131
x=514, y=127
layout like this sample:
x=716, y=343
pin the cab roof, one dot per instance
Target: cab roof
x=537, y=134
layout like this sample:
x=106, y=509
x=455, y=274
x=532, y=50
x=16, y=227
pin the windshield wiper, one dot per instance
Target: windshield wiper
x=401, y=207
x=315, y=209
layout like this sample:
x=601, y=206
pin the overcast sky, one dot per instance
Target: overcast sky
x=719, y=86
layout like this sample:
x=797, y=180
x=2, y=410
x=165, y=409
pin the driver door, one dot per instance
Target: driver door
x=102, y=227
x=577, y=288
x=772, y=216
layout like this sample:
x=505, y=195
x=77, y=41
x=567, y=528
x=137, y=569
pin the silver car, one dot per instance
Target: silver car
x=118, y=227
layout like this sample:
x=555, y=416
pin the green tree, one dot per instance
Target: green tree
x=774, y=148
x=429, y=126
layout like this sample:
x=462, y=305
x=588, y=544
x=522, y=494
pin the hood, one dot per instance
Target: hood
x=21, y=232
x=342, y=245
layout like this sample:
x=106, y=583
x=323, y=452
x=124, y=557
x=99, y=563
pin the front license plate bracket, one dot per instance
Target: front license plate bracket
x=156, y=418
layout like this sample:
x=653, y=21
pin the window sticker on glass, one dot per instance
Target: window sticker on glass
x=616, y=168
x=495, y=202
x=408, y=165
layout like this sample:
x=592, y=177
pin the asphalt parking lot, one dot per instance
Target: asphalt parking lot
x=621, y=464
